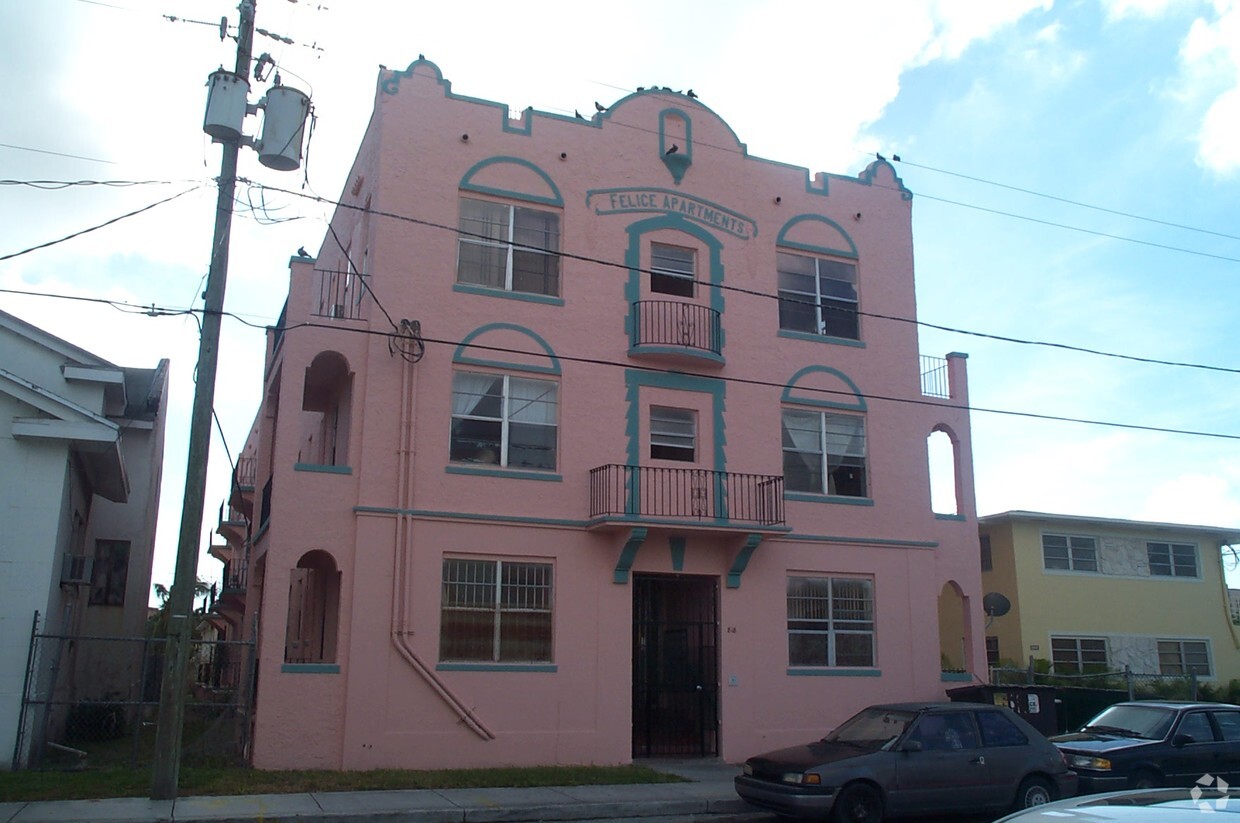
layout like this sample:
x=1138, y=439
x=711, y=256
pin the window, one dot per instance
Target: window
x=1228, y=724
x=503, y=420
x=817, y=296
x=1172, y=559
x=671, y=270
x=988, y=562
x=672, y=433
x=1074, y=655
x=824, y=453
x=495, y=611
x=830, y=621
x=1197, y=726
x=509, y=247
x=1183, y=657
x=999, y=730
x=313, y=609
x=992, y=650
x=110, y=573
x=1078, y=554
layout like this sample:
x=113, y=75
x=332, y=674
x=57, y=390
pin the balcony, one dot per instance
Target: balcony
x=241, y=495
x=234, y=525
x=699, y=499
x=675, y=331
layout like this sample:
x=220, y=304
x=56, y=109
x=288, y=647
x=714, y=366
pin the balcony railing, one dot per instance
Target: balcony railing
x=676, y=323
x=722, y=498
x=934, y=378
x=340, y=295
x=246, y=471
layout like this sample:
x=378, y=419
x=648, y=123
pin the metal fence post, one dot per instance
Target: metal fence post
x=1029, y=678
x=21, y=717
x=1128, y=680
x=1192, y=679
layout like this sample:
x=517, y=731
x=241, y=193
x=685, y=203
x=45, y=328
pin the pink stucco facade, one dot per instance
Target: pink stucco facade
x=555, y=502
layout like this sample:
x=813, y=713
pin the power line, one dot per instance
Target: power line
x=757, y=293
x=642, y=367
x=57, y=153
x=100, y=226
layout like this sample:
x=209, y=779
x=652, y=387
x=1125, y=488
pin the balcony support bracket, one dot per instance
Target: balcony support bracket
x=742, y=560
x=628, y=554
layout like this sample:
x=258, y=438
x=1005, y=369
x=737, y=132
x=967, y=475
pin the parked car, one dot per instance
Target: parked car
x=911, y=758
x=1178, y=805
x=1146, y=743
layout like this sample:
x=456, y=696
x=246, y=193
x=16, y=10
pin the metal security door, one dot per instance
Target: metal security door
x=675, y=666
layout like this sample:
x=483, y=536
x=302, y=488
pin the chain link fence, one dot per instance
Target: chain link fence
x=92, y=702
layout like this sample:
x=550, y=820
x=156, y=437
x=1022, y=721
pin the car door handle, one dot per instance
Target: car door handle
x=979, y=760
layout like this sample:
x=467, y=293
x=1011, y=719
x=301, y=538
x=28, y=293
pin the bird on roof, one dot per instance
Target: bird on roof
x=895, y=157
x=301, y=252
x=879, y=156
x=675, y=148
x=580, y=116
x=690, y=93
x=599, y=106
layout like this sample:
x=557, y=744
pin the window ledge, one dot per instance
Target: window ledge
x=955, y=677
x=830, y=672
x=821, y=338
x=529, y=297
x=838, y=499
x=497, y=667
x=511, y=474
x=957, y=517
x=322, y=468
x=310, y=668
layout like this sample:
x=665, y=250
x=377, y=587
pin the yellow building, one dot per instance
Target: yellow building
x=1095, y=594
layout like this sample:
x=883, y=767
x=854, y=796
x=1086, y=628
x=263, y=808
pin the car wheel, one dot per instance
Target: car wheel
x=1033, y=791
x=1144, y=779
x=858, y=803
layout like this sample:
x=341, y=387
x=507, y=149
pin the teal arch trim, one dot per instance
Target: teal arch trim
x=678, y=161
x=525, y=126
x=717, y=389
x=461, y=356
x=789, y=397
x=392, y=84
x=782, y=239
x=633, y=258
x=556, y=199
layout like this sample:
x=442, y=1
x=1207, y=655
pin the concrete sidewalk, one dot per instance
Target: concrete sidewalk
x=709, y=797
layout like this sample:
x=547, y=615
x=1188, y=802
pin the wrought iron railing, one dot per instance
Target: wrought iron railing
x=676, y=323
x=935, y=381
x=688, y=494
x=264, y=506
x=234, y=575
x=340, y=295
x=246, y=471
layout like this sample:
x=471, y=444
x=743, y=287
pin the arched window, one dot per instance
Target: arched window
x=326, y=406
x=313, y=610
x=941, y=452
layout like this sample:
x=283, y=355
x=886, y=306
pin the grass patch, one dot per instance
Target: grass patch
x=91, y=784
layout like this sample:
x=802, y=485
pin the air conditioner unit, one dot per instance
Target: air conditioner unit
x=337, y=311
x=75, y=570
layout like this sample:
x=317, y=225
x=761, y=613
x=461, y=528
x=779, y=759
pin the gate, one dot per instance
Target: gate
x=675, y=666
x=92, y=701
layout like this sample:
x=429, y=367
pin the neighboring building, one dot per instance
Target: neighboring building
x=81, y=443
x=585, y=440
x=1094, y=594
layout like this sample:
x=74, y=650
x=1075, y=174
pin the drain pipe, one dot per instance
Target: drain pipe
x=400, y=561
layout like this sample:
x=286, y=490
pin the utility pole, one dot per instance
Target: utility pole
x=167, y=765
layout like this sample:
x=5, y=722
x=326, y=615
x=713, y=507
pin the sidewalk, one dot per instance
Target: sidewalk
x=710, y=796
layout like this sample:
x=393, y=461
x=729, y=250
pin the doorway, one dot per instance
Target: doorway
x=675, y=666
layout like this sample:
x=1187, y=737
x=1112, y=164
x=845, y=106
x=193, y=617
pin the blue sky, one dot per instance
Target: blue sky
x=1129, y=106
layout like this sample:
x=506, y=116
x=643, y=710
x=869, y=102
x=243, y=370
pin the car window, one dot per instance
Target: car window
x=1228, y=724
x=944, y=732
x=999, y=730
x=1197, y=726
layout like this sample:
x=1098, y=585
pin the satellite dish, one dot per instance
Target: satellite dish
x=996, y=605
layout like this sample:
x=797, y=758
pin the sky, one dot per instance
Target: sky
x=1075, y=168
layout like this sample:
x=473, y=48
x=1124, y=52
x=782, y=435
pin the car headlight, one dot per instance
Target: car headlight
x=1080, y=761
x=748, y=770
x=801, y=779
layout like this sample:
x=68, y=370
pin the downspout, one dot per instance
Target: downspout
x=400, y=560
x=1222, y=576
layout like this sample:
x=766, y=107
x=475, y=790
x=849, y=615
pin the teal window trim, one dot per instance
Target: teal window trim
x=959, y=517
x=835, y=499
x=547, y=477
x=310, y=668
x=821, y=338
x=827, y=672
x=322, y=469
x=540, y=668
x=528, y=297
x=955, y=677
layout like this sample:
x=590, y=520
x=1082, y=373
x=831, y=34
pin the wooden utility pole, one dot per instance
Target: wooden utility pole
x=172, y=695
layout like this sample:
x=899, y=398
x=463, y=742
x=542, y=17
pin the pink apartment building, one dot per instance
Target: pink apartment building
x=586, y=440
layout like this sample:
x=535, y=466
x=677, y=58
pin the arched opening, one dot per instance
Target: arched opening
x=944, y=472
x=955, y=634
x=313, y=609
x=326, y=409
